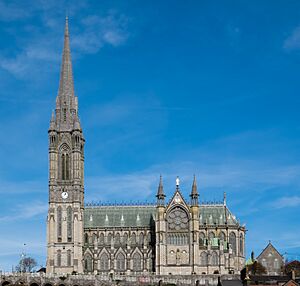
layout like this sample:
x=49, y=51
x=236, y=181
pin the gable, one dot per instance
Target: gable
x=177, y=200
x=270, y=250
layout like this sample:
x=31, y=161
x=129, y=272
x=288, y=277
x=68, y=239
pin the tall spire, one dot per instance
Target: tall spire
x=66, y=102
x=66, y=84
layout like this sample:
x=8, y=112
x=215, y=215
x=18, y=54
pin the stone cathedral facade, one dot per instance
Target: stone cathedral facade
x=175, y=237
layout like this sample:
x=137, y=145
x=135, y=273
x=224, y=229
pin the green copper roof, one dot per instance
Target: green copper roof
x=216, y=214
x=143, y=215
x=119, y=216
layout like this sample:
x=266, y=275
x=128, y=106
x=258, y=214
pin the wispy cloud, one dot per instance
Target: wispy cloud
x=42, y=45
x=286, y=202
x=292, y=42
x=10, y=11
x=28, y=211
x=98, y=31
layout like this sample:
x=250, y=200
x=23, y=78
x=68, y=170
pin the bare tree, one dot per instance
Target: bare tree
x=26, y=264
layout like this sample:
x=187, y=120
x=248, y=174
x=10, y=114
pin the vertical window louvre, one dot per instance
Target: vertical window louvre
x=67, y=167
x=59, y=258
x=59, y=222
x=63, y=169
x=69, y=223
x=69, y=257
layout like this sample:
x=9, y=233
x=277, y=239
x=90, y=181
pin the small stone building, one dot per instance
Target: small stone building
x=271, y=259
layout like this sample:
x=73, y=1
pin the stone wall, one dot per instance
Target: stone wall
x=35, y=279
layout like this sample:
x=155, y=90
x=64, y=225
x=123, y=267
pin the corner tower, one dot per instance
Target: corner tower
x=66, y=176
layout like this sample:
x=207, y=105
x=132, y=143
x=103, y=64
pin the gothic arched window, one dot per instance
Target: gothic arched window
x=222, y=236
x=104, y=261
x=137, y=262
x=232, y=242
x=101, y=238
x=88, y=263
x=69, y=257
x=86, y=238
x=141, y=239
x=203, y=259
x=117, y=239
x=120, y=261
x=64, y=162
x=109, y=238
x=133, y=239
x=211, y=236
x=69, y=223
x=58, y=258
x=201, y=239
x=214, y=259
x=59, y=224
x=241, y=248
x=125, y=238
x=149, y=238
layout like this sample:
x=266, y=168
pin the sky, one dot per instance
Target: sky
x=176, y=88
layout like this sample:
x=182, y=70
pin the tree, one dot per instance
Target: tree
x=26, y=264
x=256, y=268
x=292, y=266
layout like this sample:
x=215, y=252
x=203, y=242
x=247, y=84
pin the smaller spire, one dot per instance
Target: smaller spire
x=194, y=194
x=224, y=199
x=194, y=187
x=160, y=193
x=52, y=121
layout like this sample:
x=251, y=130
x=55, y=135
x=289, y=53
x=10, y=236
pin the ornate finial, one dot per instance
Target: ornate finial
x=224, y=199
x=177, y=182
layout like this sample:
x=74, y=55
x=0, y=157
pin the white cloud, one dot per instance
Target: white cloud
x=286, y=202
x=293, y=41
x=98, y=31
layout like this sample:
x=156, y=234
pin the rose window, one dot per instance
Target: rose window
x=178, y=219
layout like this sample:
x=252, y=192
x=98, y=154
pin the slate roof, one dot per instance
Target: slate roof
x=119, y=216
x=143, y=215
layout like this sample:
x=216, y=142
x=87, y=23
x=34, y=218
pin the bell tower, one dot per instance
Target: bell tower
x=66, y=176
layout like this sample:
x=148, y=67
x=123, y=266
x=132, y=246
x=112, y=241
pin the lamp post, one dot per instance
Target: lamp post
x=23, y=255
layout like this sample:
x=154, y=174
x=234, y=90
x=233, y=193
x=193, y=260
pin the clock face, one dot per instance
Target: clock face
x=64, y=195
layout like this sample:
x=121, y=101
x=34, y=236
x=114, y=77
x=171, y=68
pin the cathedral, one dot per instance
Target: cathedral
x=178, y=236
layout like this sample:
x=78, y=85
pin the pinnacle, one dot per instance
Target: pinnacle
x=194, y=187
x=160, y=190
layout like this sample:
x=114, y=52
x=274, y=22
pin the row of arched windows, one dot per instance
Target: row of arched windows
x=69, y=224
x=209, y=259
x=120, y=262
x=59, y=258
x=117, y=239
x=214, y=240
x=178, y=238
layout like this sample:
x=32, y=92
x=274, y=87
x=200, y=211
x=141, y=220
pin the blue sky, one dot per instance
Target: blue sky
x=165, y=87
